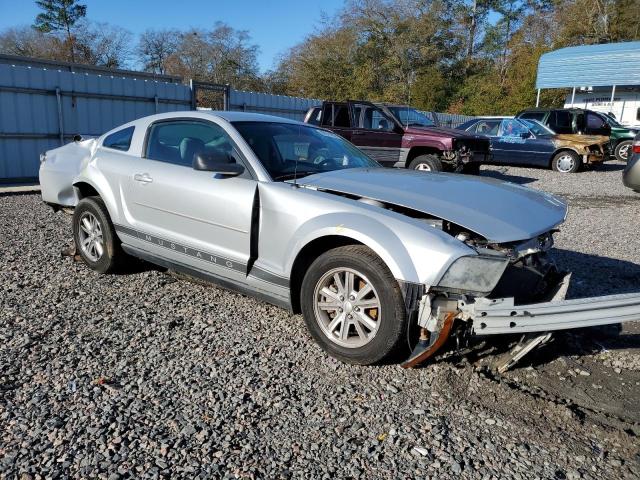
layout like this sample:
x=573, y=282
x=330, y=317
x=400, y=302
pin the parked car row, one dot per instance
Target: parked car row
x=400, y=136
x=374, y=258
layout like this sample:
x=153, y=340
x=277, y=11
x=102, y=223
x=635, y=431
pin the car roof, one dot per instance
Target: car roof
x=229, y=116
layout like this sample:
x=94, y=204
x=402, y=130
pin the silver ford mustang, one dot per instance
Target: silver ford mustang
x=299, y=217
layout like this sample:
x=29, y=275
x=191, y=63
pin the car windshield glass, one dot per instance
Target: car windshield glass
x=537, y=128
x=287, y=150
x=612, y=121
x=411, y=117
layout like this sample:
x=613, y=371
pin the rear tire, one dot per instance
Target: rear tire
x=622, y=150
x=375, y=322
x=426, y=163
x=566, y=162
x=95, y=238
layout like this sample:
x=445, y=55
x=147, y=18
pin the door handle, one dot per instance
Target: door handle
x=143, y=178
x=357, y=132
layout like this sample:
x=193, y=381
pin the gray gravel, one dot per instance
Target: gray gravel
x=144, y=375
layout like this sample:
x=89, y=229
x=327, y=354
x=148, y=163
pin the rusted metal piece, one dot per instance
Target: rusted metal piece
x=430, y=343
x=71, y=251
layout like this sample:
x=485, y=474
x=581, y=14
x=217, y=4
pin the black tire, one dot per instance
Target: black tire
x=622, y=150
x=559, y=162
x=472, y=168
x=392, y=316
x=427, y=162
x=112, y=253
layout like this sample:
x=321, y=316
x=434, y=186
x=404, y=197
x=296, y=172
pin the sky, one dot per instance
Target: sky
x=274, y=25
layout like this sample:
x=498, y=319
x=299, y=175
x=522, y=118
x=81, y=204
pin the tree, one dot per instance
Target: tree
x=60, y=16
x=155, y=47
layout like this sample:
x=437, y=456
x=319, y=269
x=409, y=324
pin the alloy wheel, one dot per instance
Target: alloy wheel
x=347, y=307
x=423, y=167
x=90, y=236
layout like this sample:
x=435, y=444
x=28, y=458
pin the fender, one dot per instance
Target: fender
x=98, y=182
x=394, y=242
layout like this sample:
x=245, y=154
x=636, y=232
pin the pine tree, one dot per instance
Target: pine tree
x=60, y=16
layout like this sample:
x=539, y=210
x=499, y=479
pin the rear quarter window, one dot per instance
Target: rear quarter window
x=120, y=140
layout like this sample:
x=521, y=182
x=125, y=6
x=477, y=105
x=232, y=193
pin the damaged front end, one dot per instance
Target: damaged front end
x=525, y=294
x=466, y=151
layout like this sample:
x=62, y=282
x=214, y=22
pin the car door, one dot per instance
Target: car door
x=510, y=145
x=376, y=134
x=195, y=218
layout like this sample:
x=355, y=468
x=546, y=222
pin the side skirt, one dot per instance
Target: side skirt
x=208, y=277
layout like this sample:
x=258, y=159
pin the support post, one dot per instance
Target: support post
x=573, y=96
x=60, y=116
x=155, y=99
x=226, y=97
x=538, y=99
x=613, y=94
x=194, y=105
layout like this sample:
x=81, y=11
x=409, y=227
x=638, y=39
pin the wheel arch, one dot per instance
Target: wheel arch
x=84, y=187
x=422, y=150
x=563, y=149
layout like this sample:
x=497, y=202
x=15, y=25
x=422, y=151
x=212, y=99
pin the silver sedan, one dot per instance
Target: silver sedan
x=374, y=258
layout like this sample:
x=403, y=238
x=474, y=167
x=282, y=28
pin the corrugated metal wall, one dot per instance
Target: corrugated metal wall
x=279, y=105
x=39, y=108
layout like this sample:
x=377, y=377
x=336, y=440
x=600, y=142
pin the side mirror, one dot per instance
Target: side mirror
x=217, y=162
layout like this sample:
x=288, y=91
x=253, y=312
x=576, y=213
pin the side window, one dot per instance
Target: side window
x=487, y=127
x=595, y=122
x=327, y=115
x=638, y=114
x=372, y=118
x=120, y=140
x=341, y=116
x=560, y=121
x=512, y=128
x=178, y=142
x=533, y=115
x=315, y=116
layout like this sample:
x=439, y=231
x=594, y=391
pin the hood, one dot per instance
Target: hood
x=581, y=139
x=439, y=131
x=499, y=211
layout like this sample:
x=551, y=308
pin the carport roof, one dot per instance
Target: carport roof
x=590, y=66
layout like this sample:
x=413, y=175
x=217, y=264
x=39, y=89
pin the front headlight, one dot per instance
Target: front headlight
x=475, y=274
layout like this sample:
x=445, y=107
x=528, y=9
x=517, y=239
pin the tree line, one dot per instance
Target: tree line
x=475, y=57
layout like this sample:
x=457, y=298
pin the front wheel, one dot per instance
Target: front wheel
x=566, y=162
x=622, y=150
x=426, y=163
x=95, y=237
x=353, y=306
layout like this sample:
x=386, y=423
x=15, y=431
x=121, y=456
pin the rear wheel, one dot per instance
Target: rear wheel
x=95, y=237
x=426, y=163
x=352, y=305
x=622, y=150
x=566, y=162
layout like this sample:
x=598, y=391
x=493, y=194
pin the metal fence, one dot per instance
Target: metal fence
x=41, y=109
x=278, y=105
x=450, y=120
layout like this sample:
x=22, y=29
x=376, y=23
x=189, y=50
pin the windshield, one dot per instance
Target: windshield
x=611, y=121
x=411, y=117
x=537, y=128
x=289, y=150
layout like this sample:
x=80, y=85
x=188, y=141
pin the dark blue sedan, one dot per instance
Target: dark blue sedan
x=527, y=142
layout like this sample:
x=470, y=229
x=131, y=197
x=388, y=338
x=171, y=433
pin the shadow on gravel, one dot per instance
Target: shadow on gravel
x=597, y=275
x=608, y=167
x=502, y=175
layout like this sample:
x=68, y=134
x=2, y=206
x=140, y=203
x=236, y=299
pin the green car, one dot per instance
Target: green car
x=621, y=138
x=586, y=122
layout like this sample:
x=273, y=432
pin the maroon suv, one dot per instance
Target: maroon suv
x=400, y=136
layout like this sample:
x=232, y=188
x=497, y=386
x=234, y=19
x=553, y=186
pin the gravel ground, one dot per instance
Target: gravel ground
x=146, y=375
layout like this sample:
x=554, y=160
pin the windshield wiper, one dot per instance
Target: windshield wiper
x=290, y=175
